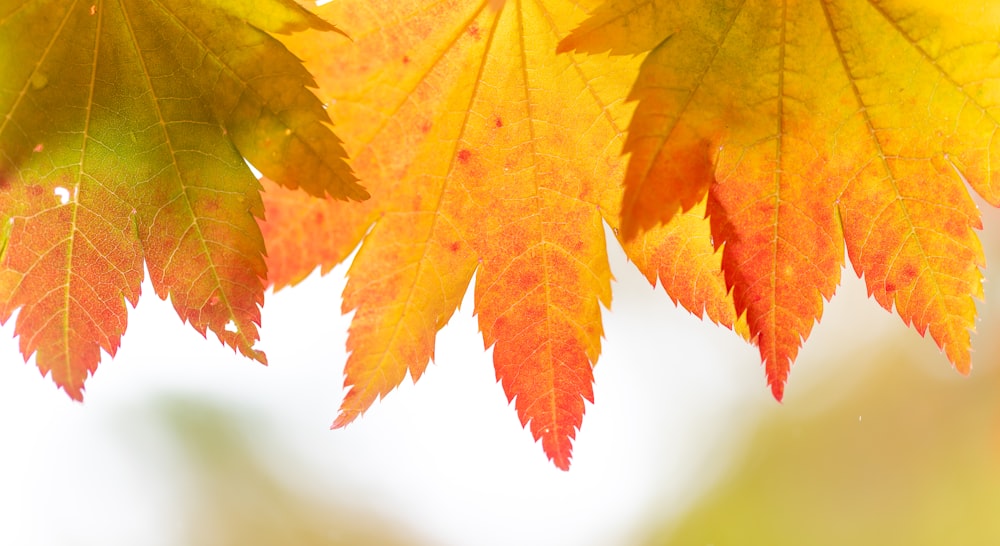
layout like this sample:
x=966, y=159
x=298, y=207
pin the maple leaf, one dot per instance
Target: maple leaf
x=490, y=155
x=812, y=126
x=123, y=127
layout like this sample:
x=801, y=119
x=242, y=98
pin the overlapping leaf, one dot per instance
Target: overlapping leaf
x=487, y=154
x=123, y=126
x=811, y=125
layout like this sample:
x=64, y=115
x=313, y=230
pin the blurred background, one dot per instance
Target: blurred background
x=180, y=442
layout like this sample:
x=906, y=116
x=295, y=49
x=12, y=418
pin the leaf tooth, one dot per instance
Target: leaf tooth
x=682, y=257
x=405, y=283
x=70, y=276
x=918, y=255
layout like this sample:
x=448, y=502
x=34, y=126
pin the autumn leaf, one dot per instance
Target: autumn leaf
x=812, y=126
x=784, y=134
x=123, y=128
x=487, y=155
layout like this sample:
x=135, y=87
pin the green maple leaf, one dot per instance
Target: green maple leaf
x=123, y=130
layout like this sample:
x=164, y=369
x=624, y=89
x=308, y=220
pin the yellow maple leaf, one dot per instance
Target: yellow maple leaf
x=812, y=125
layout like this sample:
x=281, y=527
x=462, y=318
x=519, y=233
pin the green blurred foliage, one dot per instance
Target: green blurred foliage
x=232, y=496
x=909, y=453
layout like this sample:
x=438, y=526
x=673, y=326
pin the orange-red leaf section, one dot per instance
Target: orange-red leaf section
x=815, y=127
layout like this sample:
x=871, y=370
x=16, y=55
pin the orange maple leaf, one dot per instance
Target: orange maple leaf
x=811, y=125
x=487, y=154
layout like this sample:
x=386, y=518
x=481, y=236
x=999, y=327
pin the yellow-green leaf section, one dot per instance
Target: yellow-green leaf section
x=123, y=128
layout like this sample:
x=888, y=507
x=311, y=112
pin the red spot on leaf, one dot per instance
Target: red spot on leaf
x=38, y=147
x=908, y=274
x=464, y=155
x=425, y=127
x=454, y=246
x=474, y=31
x=498, y=122
x=406, y=59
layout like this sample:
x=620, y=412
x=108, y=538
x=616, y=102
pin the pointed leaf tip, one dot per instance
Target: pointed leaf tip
x=778, y=389
x=625, y=27
x=277, y=16
x=558, y=448
x=343, y=420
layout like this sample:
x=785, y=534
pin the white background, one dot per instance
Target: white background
x=446, y=460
